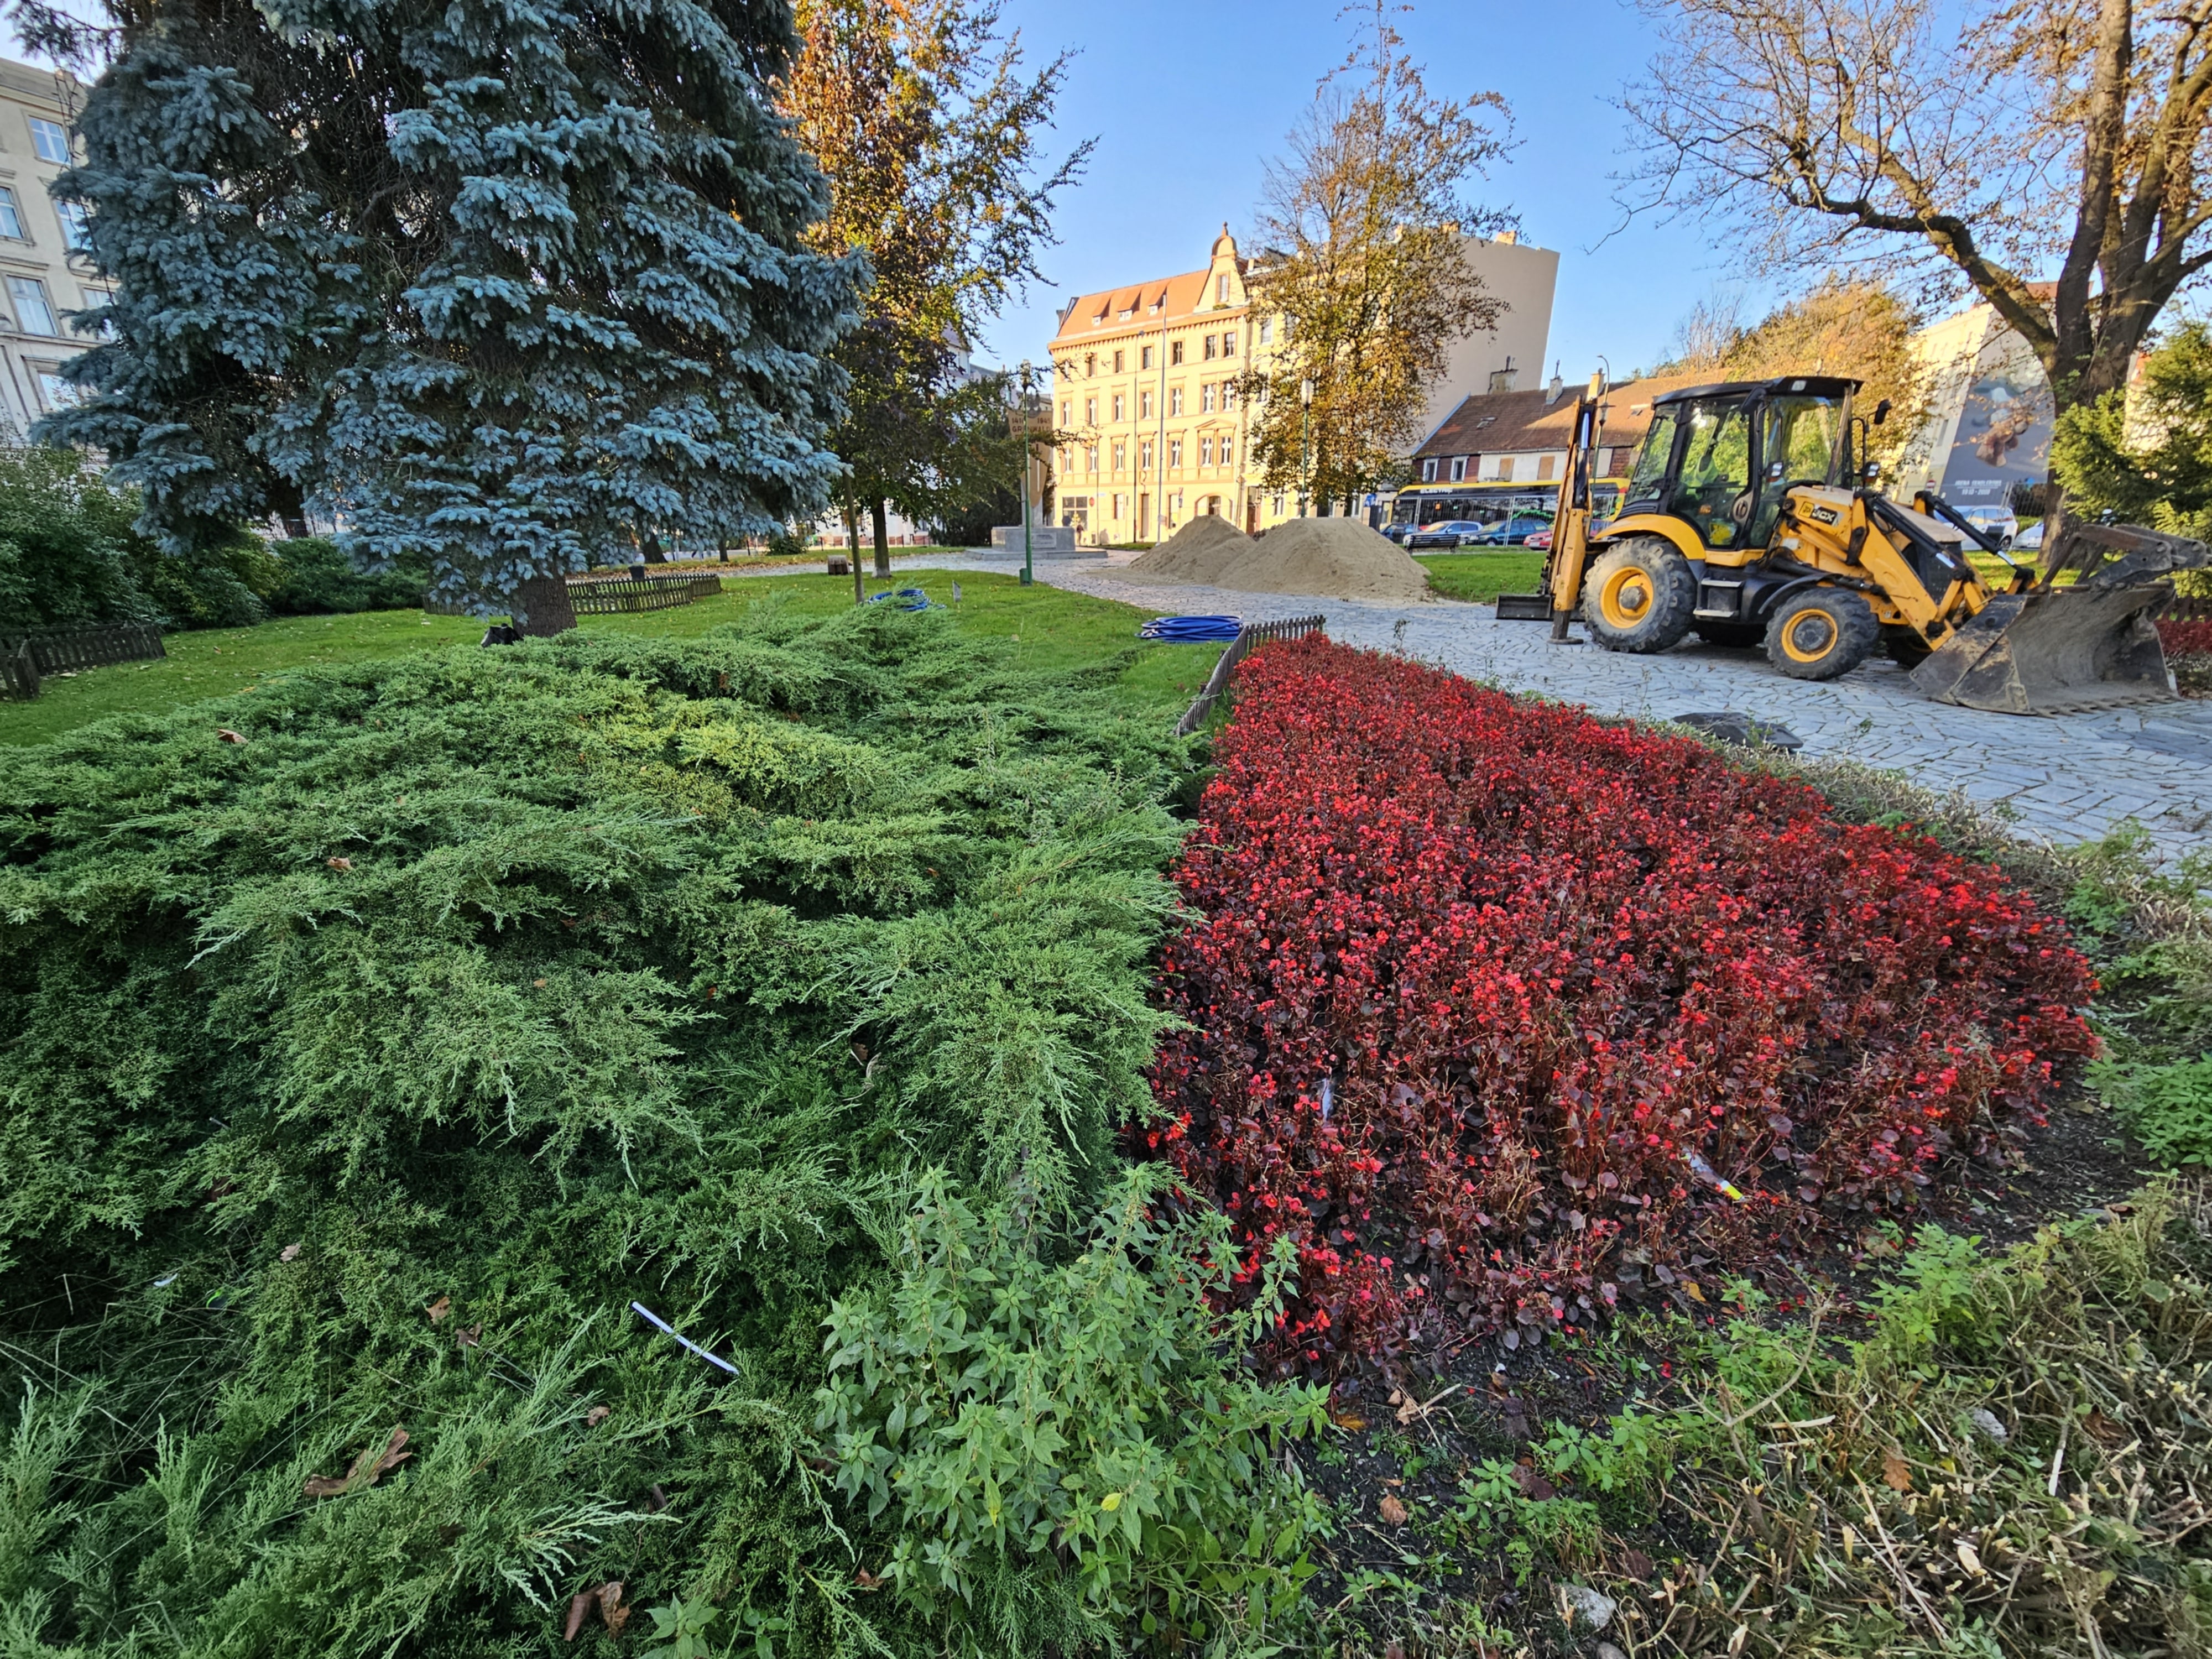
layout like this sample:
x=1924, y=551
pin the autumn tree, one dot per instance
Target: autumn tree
x=2145, y=455
x=1364, y=223
x=2047, y=154
x=930, y=127
x=1852, y=326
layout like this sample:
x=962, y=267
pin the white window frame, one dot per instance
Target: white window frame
x=1206, y=451
x=1229, y=344
x=16, y=286
x=46, y=135
x=11, y=214
x=76, y=226
x=1428, y=470
x=1458, y=469
x=1175, y=400
x=1174, y=453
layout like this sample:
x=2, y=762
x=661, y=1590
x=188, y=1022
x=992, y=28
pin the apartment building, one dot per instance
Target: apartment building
x=1144, y=390
x=45, y=261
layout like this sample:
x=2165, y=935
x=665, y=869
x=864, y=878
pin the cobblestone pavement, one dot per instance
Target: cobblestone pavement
x=2067, y=777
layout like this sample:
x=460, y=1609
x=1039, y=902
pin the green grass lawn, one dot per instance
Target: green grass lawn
x=1481, y=577
x=1049, y=627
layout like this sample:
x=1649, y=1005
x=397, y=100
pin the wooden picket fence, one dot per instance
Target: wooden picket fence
x=2185, y=609
x=1250, y=634
x=26, y=660
x=611, y=596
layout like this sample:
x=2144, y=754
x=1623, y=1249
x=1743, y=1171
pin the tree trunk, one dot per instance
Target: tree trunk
x=852, y=552
x=883, y=540
x=540, y=606
x=651, y=546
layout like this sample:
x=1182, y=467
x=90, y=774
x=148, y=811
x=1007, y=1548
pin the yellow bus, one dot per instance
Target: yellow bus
x=1487, y=503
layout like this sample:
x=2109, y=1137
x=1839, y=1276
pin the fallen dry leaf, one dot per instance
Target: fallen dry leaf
x=1896, y=1472
x=1690, y=1289
x=596, y=1416
x=1635, y=1564
x=1392, y=1512
x=368, y=1469
x=611, y=1607
x=440, y=1309
x=467, y=1336
x=290, y=1252
x=1532, y=1483
x=580, y=1604
x=339, y=864
x=227, y=735
x=866, y=1580
x=1969, y=1559
x=537, y=984
x=1350, y=1422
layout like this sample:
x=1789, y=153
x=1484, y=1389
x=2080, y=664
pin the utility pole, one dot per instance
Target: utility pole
x=1027, y=567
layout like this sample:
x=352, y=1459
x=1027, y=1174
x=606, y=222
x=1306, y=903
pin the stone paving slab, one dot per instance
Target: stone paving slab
x=2066, y=777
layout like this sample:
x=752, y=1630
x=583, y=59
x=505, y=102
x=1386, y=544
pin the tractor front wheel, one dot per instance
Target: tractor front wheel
x=1821, y=633
x=1639, y=595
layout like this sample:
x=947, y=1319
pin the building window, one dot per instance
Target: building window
x=77, y=226
x=1066, y=412
x=1090, y=411
x=1117, y=356
x=1506, y=469
x=1144, y=454
x=1221, y=289
x=1428, y=470
x=1145, y=358
x=1175, y=352
x=1119, y=406
x=1175, y=400
x=50, y=140
x=1091, y=458
x=11, y=220
x=1090, y=364
x=1175, y=451
x=1277, y=509
x=1266, y=334
x=1212, y=347
x=1121, y=460
x=1205, y=399
x=1458, y=468
x=1544, y=467
x=1143, y=405
x=1206, y=451
x=57, y=392
x=1229, y=394
x=1229, y=344
x=1225, y=452
x=33, y=315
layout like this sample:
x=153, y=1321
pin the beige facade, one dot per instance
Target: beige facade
x=46, y=266
x=1144, y=393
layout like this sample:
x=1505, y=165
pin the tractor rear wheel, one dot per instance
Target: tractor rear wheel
x=1821, y=633
x=1639, y=595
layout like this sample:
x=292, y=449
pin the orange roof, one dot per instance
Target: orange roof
x=1514, y=422
x=1095, y=315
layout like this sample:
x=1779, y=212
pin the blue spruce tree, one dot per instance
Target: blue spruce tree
x=517, y=287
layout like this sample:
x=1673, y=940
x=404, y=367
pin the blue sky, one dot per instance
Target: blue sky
x=1187, y=99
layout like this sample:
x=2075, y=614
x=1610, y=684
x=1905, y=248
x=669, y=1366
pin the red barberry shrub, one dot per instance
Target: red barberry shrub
x=1491, y=1003
x=2186, y=639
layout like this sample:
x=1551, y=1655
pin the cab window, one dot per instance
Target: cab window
x=1716, y=469
x=1646, y=477
x=1797, y=445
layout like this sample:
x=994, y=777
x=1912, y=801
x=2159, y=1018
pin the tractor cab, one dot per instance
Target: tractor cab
x=1721, y=459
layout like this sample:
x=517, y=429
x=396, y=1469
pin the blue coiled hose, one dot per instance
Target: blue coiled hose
x=908, y=599
x=1191, y=630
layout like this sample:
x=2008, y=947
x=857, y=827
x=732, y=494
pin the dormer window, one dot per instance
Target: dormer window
x=1221, y=289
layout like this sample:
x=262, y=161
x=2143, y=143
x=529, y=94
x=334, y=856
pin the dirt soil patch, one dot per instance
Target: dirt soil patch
x=1332, y=558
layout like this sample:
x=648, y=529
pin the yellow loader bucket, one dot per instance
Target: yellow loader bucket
x=2054, y=651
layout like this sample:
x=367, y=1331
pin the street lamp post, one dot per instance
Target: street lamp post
x=1028, y=569
x=1305, y=446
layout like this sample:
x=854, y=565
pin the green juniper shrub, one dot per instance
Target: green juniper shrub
x=320, y=579
x=369, y=1042
x=1006, y=1409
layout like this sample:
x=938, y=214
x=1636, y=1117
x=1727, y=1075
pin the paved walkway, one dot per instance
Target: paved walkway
x=2067, y=777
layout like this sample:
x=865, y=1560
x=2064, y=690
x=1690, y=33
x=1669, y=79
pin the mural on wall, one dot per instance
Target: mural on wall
x=2003, y=437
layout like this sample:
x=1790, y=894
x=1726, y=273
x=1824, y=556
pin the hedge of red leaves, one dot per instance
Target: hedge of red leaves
x=1492, y=1003
x=2186, y=639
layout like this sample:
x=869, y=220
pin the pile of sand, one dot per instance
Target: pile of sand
x=1339, y=558
x=1199, y=552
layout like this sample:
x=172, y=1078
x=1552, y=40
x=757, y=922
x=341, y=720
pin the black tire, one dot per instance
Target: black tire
x=1726, y=633
x=1906, y=648
x=1821, y=633
x=1639, y=595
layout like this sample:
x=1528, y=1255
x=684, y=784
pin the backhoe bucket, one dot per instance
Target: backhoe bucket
x=2055, y=650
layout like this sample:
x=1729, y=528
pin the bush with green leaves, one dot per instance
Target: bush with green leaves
x=1006, y=1410
x=321, y=579
x=369, y=1042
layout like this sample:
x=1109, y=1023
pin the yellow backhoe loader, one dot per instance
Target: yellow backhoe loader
x=1751, y=517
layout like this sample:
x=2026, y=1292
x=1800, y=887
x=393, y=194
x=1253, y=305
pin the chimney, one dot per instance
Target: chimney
x=1552, y=392
x=1501, y=380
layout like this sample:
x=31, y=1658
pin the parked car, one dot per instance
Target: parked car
x=1450, y=532
x=1515, y=531
x=1539, y=541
